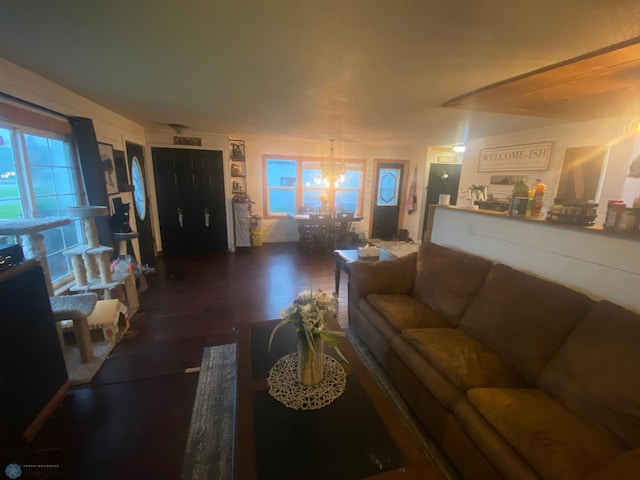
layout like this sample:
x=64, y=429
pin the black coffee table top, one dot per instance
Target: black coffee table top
x=358, y=436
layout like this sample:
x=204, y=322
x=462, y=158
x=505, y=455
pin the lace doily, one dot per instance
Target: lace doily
x=284, y=386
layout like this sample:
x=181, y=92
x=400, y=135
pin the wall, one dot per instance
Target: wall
x=115, y=129
x=286, y=230
x=431, y=156
x=110, y=127
x=599, y=132
x=601, y=266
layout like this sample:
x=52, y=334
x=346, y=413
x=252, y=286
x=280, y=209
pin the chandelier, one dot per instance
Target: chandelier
x=332, y=170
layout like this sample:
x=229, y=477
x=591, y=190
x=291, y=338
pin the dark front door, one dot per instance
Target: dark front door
x=191, y=200
x=135, y=155
x=443, y=179
x=387, y=199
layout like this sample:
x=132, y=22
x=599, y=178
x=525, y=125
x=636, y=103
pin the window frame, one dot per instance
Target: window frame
x=27, y=193
x=305, y=163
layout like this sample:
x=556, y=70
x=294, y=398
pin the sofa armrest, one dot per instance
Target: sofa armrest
x=395, y=276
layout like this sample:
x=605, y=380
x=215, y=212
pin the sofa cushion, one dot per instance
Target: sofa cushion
x=384, y=276
x=555, y=441
x=522, y=318
x=404, y=311
x=446, y=280
x=462, y=360
x=439, y=386
x=597, y=372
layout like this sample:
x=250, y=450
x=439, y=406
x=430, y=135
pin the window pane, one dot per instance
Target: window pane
x=58, y=265
x=47, y=207
x=388, y=187
x=10, y=209
x=10, y=204
x=352, y=179
x=311, y=177
x=281, y=201
x=281, y=173
x=42, y=181
x=346, y=200
x=63, y=178
x=60, y=153
x=37, y=150
x=72, y=233
x=312, y=197
x=53, y=240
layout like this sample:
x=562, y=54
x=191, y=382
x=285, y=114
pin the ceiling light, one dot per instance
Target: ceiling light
x=332, y=170
x=459, y=148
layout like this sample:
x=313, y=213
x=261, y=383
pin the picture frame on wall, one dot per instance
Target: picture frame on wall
x=108, y=167
x=122, y=176
x=237, y=149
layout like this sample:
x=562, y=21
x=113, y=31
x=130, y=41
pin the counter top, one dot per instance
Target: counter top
x=597, y=229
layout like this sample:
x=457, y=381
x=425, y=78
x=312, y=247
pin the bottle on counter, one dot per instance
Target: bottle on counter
x=519, y=198
x=615, y=208
x=538, y=198
x=627, y=220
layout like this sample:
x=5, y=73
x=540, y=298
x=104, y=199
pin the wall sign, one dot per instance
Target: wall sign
x=533, y=156
x=193, y=141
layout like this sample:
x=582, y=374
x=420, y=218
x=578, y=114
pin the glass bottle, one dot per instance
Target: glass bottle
x=520, y=198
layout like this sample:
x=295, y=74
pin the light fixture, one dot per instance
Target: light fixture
x=332, y=170
x=177, y=127
x=459, y=148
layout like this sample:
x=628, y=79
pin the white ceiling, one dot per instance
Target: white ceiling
x=354, y=70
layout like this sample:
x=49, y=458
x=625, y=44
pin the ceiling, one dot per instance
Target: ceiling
x=601, y=84
x=355, y=70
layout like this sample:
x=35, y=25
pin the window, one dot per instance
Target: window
x=38, y=178
x=291, y=185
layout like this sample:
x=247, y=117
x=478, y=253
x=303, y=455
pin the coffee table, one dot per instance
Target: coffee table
x=345, y=257
x=359, y=435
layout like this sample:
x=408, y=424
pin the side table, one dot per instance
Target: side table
x=345, y=257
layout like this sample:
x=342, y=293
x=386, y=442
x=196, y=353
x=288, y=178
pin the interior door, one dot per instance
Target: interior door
x=135, y=155
x=443, y=178
x=191, y=200
x=387, y=199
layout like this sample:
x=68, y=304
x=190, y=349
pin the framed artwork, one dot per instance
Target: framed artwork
x=506, y=179
x=534, y=156
x=237, y=149
x=108, y=167
x=122, y=177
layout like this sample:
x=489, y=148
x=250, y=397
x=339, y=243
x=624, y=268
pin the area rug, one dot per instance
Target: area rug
x=209, y=449
x=80, y=373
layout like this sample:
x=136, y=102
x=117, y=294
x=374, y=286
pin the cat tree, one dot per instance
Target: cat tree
x=91, y=262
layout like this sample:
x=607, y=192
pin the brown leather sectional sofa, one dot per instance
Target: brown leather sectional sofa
x=514, y=376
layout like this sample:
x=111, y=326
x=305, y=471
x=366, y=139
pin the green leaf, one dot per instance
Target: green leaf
x=276, y=328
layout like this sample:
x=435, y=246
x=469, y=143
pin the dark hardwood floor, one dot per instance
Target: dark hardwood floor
x=132, y=420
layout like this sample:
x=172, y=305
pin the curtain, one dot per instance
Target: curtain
x=92, y=173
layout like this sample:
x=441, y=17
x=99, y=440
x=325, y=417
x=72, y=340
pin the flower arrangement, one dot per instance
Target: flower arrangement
x=308, y=314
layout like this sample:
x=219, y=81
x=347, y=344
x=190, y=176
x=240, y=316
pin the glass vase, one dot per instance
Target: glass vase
x=310, y=362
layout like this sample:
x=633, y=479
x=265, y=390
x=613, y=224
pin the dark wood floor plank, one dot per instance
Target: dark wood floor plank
x=132, y=420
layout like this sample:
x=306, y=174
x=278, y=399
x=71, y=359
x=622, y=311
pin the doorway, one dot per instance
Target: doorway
x=135, y=157
x=387, y=195
x=443, y=179
x=191, y=200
